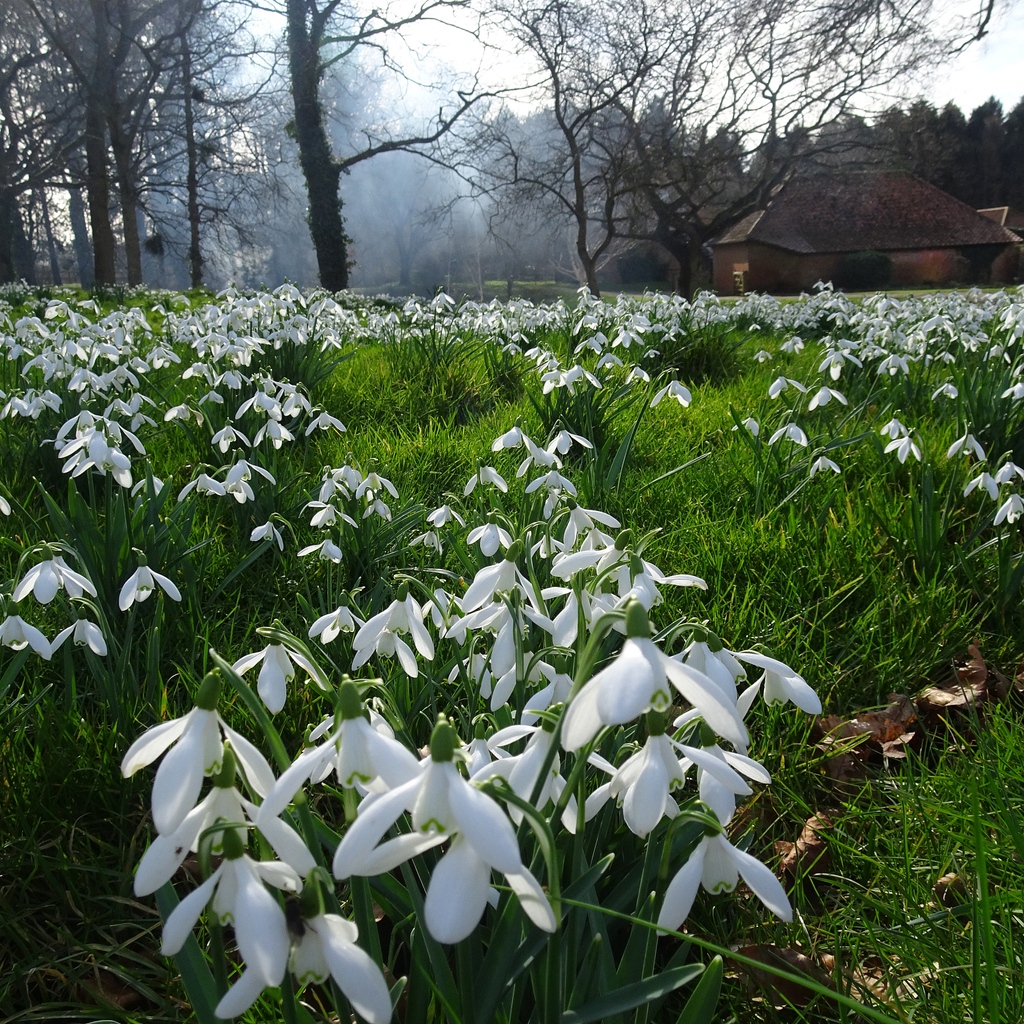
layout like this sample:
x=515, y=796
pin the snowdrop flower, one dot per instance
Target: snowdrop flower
x=1007, y=471
x=781, y=683
x=903, y=447
x=792, y=432
x=49, y=576
x=563, y=441
x=17, y=634
x=1016, y=392
x=444, y=515
x=195, y=748
x=268, y=531
x=522, y=771
x=325, y=946
x=640, y=679
x=763, y=355
x=485, y=475
x=893, y=429
x=751, y=425
x=240, y=898
x=780, y=384
x=945, y=391
x=325, y=421
x=327, y=550
x=498, y=578
x=276, y=672
x=674, y=389
x=717, y=865
x=489, y=536
x=986, y=481
x=444, y=806
x=329, y=626
x=203, y=484
x=227, y=437
x=1010, y=510
x=379, y=634
x=142, y=583
x=362, y=753
x=87, y=634
x=583, y=521
x=5, y=506
x=968, y=444
x=822, y=463
x=823, y=396
x=224, y=802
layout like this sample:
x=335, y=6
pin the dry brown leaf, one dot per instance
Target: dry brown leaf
x=107, y=987
x=853, y=743
x=782, y=992
x=950, y=890
x=809, y=854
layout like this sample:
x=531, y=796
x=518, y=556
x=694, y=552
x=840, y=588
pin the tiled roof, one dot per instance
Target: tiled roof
x=870, y=210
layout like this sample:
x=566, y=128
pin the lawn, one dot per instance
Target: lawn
x=573, y=660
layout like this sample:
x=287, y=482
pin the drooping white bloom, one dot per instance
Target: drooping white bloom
x=362, y=753
x=640, y=679
x=49, y=576
x=823, y=462
x=87, y=634
x=1010, y=510
x=969, y=445
x=327, y=948
x=782, y=684
x=329, y=626
x=522, y=771
x=380, y=634
x=717, y=865
x=142, y=583
x=276, y=672
x=674, y=389
x=792, y=432
x=485, y=475
x=444, y=806
x=903, y=447
x=489, y=536
x=17, y=634
x=823, y=396
x=195, y=747
x=780, y=384
x=986, y=481
x=268, y=531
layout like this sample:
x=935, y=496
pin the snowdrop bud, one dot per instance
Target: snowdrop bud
x=657, y=723
x=623, y=540
x=714, y=642
x=515, y=552
x=312, y=898
x=637, y=623
x=209, y=692
x=233, y=843
x=350, y=703
x=403, y=592
x=225, y=778
x=443, y=741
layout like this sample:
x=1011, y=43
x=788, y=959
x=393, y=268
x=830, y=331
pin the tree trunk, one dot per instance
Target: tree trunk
x=51, y=245
x=129, y=195
x=80, y=232
x=321, y=171
x=195, y=254
x=97, y=185
x=8, y=211
x=23, y=250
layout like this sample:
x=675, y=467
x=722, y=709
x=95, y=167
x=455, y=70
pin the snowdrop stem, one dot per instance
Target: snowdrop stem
x=362, y=909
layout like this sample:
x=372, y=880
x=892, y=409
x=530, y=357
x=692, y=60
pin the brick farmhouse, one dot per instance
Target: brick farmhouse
x=811, y=228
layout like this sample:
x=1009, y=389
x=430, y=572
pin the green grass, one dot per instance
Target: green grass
x=829, y=579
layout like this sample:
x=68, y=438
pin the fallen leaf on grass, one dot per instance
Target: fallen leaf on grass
x=950, y=890
x=782, y=992
x=809, y=854
x=107, y=987
x=853, y=743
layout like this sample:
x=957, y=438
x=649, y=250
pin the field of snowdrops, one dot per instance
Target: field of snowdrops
x=511, y=662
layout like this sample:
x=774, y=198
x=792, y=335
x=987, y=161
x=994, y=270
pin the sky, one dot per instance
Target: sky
x=993, y=67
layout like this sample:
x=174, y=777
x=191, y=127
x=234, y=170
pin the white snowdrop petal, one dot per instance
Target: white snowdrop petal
x=457, y=894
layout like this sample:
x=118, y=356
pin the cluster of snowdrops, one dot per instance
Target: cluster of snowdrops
x=566, y=692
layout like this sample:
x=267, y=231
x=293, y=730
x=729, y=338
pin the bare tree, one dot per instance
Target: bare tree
x=322, y=33
x=678, y=118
